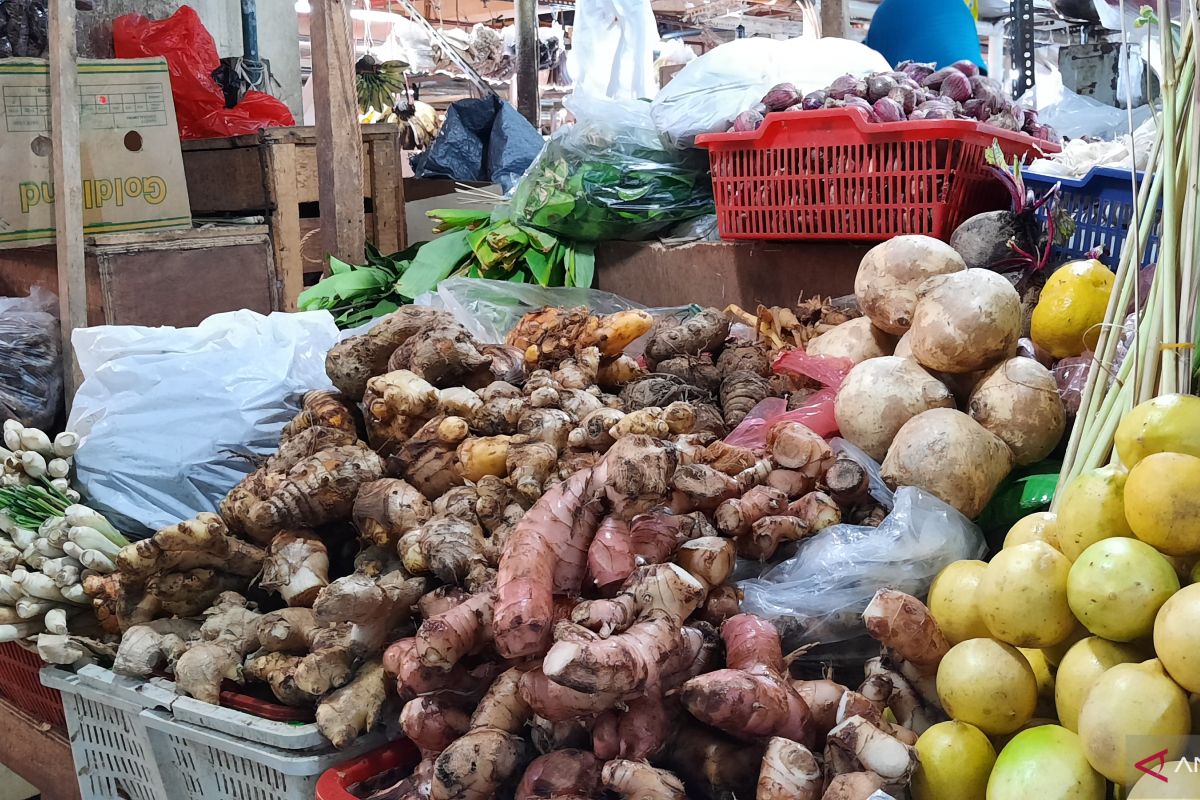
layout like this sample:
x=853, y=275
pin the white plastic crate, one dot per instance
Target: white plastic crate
x=128, y=739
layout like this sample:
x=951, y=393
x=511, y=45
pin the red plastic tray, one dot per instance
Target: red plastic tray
x=335, y=783
x=830, y=174
x=256, y=700
x=21, y=685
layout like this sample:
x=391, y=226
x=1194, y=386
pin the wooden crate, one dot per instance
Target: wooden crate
x=162, y=278
x=274, y=174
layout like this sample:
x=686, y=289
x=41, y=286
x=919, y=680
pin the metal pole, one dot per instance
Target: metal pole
x=1022, y=45
x=528, y=102
x=250, y=57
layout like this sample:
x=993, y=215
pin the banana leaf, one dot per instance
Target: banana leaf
x=453, y=218
x=433, y=263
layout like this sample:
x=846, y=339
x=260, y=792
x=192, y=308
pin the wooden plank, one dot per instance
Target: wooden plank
x=285, y=224
x=312, y=259
x=38, y=753
x=835, y=18
x=27, y=267
x=527, y=62
x=223, y=180
x=308, y=187
x=391, y=227
x=307, y=134
x=339, y=140
x=68, y=184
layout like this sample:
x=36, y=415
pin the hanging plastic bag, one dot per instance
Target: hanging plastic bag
x=192, y=58
x=820, y=592
x=609, y=176
x=612, y=49
x=30, y=359
x=171, y=417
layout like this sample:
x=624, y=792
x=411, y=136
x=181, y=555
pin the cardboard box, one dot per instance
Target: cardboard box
x=129, y=145
x=720, y=273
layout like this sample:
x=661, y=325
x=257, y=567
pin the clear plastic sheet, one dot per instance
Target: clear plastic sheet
x=170, y=418
x=819, y=593
x=30, y=359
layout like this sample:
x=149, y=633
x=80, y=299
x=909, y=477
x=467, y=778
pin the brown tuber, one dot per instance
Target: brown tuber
x=889, y=274
x=703, y=333
x=789, y=772
x=881, y=394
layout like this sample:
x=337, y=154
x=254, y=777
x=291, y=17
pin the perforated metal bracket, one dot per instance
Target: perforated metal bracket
x=1022, y=45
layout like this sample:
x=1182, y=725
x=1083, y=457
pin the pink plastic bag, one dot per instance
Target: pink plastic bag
x=191, y=57
x=817, y=412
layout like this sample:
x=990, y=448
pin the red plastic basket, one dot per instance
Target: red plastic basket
x=830, y=174
x=21, y=685
x=335, y=783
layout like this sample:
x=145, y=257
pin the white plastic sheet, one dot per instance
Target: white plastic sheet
x=612, y=49
x=711, y=90
x=169, y=416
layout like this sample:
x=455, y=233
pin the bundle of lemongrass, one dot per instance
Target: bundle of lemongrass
x=1159, y=358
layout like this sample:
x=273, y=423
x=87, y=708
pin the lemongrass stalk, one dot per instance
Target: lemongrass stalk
x=1168, y=256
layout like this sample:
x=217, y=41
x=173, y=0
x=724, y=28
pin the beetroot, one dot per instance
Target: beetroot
x=781, y=96
x=888, y=110
x=847, y=86
x=813, y=100
x=878, y=86
x=967, y=67
x=956, y=86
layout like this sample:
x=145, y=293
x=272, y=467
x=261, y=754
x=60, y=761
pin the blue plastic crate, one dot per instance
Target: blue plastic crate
x=1102, y=204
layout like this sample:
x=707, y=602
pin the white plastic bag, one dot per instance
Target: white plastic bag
x=168, y=416
x=710, y=91
x=612, y=49
x=820, y=592
x=30, y=363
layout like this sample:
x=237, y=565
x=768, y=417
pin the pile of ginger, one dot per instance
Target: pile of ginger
x=520, y=555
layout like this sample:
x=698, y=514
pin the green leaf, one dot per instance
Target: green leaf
x=540, y=240
x=337, y=266
x=433, y=263
x=585, y=265
x=348, y=285
x=450, y=219
x=539, y=266
x=354, y=319
x=517, y=277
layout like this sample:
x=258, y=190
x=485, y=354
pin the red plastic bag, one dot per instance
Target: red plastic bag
x=817, y=412
x=191, y=57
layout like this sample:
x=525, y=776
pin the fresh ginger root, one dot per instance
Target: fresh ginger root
x=443, y=355
x=296, y=566
x=317, y=490
x=610, y=555
x=354, y=708
x=278, y=671
x=433, y=721
x=594, y=429
x=905, y=625
x=530, y=463
x=561, y=773
x=868, y=747
x=651, y=421
x=578, y=372
x=288, y=630
x=481, y=456
x=615, y=373
x=663, y=587
x=491, y=753
x=229, y=632
x=294, y=449
x=203, y=542
x=151, y=645
x=638, y=732
x=624, y=664
x=444, y=640
x=373, y=607
x=550, y=425
x=789, y=772
x=637, y=780
x=723, y=602
x=548, y=336
x=429, y=460
x=793, y=446
x=452, y=548
x=386, y=509
x=638, y=475
x=353, y=361
x=322, y=409
x=740, y=392
x=708, y=559
x=735, y=515
x=703, y=333
x=750, y=698
x=459, y=401
x=791, y=482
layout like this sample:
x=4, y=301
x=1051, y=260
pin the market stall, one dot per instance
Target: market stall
x=818, y=429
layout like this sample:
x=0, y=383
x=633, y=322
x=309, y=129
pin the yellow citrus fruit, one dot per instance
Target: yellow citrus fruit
x=1116, y=587
x=1022, y=596
x=1079, y=670
x=952, y=601
x=1177, y=637
x=1066, y=320
x=1166, y=424
x=955, y=762
x=1044, y=762
x=1041, y=525
x=1044, y=676
x=988, y=684
x=1092, y=508
x=1162, y=503
x=1133, y=700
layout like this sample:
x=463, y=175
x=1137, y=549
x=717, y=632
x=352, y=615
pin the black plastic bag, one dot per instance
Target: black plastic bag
x=24, y=28
x=30, y=359
x=481, y=140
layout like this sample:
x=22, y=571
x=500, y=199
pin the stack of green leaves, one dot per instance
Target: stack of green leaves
x=476, y=244
x=30, y=506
